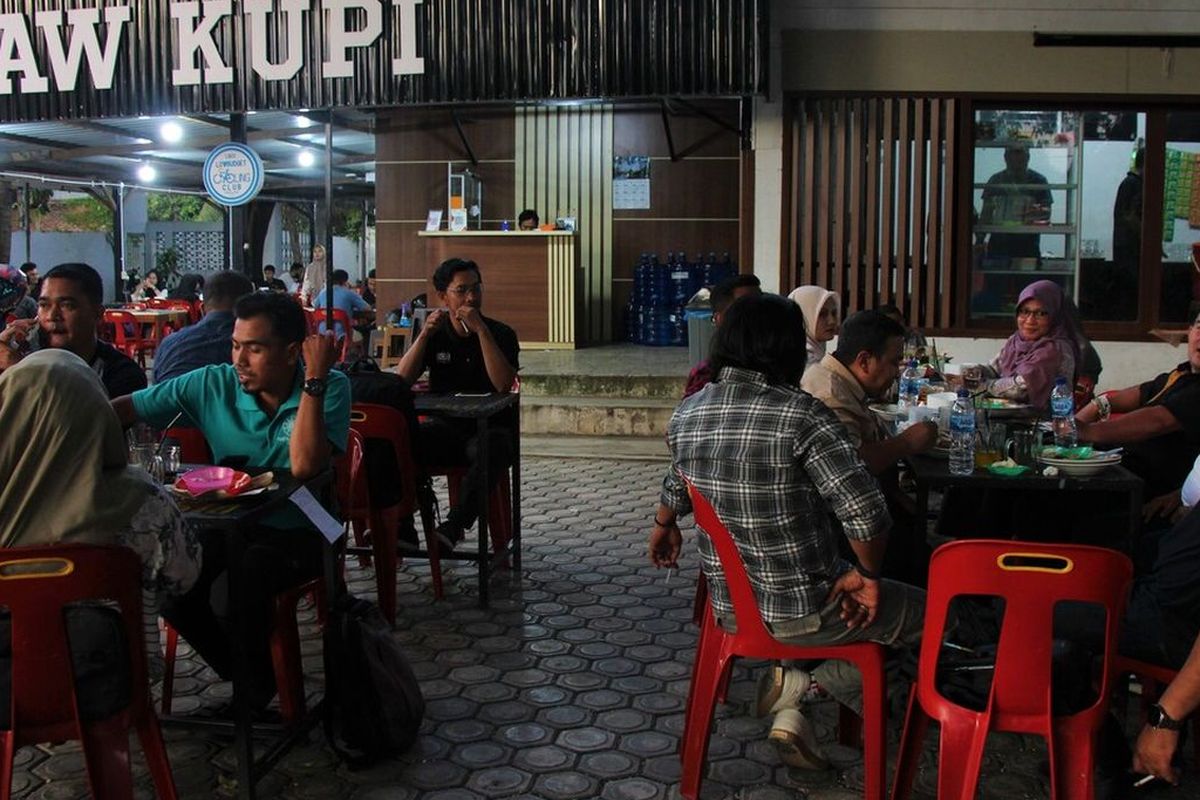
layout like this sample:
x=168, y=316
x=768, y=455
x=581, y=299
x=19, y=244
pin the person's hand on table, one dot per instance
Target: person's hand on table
x=920, y=436
x=859, y=597
x=14, y=341
x=470, y=318
x=1083, y=430
x=1153, y=752
x=1165, y=506
x=320, y=352
x=665, y=544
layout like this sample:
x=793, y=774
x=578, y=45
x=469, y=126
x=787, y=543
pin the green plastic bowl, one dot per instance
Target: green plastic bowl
x=1006, y=471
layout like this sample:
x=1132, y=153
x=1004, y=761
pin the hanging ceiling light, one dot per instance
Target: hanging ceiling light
x=303, y=122
x=147, y=173
x=306, y=158
x=171, y=132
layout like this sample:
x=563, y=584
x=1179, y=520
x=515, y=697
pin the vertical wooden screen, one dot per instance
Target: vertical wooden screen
x=869, y=211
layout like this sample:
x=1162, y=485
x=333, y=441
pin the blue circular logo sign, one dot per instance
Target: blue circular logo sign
x=233, y=174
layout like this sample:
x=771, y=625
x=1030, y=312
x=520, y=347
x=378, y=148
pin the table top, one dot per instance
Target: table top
x=156, y=312
x=464, y=406
x=236, y=512
x=933, y=472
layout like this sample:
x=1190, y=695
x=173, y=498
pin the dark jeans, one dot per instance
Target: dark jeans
x=455, y=443
x=274, y=560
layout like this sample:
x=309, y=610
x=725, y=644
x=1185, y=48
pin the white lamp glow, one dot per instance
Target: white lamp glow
x=171, y=132
x=306, y=158
x=147, y=173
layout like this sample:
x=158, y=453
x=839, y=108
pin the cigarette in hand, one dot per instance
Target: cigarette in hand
x=669, y=571
x=1143, y=780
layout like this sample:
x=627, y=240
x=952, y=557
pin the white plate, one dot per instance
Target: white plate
x=1080, y=469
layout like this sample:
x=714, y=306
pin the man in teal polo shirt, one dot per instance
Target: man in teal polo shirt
x=279, y=406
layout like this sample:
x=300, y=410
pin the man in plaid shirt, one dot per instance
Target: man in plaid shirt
x=775, y=463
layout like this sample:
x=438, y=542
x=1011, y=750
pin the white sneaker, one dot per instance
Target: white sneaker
x=780, y=688
x=795, y=741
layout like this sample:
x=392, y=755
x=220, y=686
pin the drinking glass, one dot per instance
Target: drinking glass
x=989, y=443
x=1023, y=446
x=171, y=457
x=972, y=376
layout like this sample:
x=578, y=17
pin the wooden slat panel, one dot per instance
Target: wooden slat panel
x=918, y=213
x=937, y=220
x=808, y=197
x=855, y=215
x=945, y=319
x=821, y=275
x=838, y=217
x=903, y=195
x=887, y=191
x=871, y=261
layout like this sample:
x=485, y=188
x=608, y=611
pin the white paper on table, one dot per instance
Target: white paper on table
x=326, y=523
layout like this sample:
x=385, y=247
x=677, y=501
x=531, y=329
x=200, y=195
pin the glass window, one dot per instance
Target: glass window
x=1180, y=296
x=1025, y=205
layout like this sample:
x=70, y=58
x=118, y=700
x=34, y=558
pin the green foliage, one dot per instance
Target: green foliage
x=348, y=220
x=166, y=264
x=86, y=214
x=170, y=207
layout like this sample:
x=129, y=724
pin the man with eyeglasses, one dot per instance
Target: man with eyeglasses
x=1159, y=427
x=467, y=352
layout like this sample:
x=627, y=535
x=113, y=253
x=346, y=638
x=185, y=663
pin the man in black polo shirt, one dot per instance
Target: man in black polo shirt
x=1159, y=425
x=467, y=352
x=70, y=308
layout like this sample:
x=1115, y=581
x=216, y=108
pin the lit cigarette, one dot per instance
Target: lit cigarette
x=1143, y=781
x=669, y=571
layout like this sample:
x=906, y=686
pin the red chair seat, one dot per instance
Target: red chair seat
x=717, y=649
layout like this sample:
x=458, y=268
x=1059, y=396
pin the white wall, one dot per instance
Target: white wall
x=1125, y=363
x=50, y=249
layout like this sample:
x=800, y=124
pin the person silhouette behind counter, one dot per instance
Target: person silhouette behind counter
x=1015, y=196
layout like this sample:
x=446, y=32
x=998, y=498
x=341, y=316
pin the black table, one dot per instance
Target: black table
x=483, y=408
x=934, y=474
x=234, y=518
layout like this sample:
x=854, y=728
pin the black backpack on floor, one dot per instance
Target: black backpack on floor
x=374, y=704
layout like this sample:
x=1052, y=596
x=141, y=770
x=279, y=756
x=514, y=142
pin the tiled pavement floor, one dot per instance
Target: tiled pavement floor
x=572, y=685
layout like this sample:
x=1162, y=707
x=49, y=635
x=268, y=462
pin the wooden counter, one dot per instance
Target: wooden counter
x=528, y=278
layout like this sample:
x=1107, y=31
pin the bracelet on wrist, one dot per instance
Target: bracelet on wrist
x=666, y=524
x=866, y=573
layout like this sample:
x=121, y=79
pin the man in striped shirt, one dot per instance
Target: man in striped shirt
x=775, y=464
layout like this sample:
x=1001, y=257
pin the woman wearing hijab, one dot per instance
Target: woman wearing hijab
x=821, y=313
x=314, y=276
x=67, y=480
x=1044, y=348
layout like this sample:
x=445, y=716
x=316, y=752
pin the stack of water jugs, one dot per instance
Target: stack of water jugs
x=655, y=314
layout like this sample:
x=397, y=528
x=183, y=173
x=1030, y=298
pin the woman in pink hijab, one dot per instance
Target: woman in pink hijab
x=1045, y=347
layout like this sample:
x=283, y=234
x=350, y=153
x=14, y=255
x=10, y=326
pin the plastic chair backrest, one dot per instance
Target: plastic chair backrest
x=193, y=447
x=374, y=421
x=750, y=627
x=351, y=488
x=36, y=584
x=1031, y=579
x=122, y=323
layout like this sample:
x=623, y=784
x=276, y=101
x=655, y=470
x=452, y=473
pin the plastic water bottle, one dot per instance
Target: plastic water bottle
x=910, y=386
x=405, y=319
x=1062, y=409
x=962, y=435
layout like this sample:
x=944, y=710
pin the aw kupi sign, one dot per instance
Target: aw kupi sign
x=142, y=54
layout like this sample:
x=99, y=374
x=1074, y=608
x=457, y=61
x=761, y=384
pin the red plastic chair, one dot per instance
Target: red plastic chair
x=193, y=447
x=717, y=648
x=374, y=421
x=127, y=335
x=285, y=651
x=1153, y=678
x=1031, y=579
x=36, y=586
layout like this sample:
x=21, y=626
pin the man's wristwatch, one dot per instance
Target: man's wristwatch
x=315, y=387
x=1156, y=717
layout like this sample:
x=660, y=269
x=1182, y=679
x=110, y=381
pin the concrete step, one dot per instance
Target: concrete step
x=663, y=387
x=617, y=448
x=595, y=416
